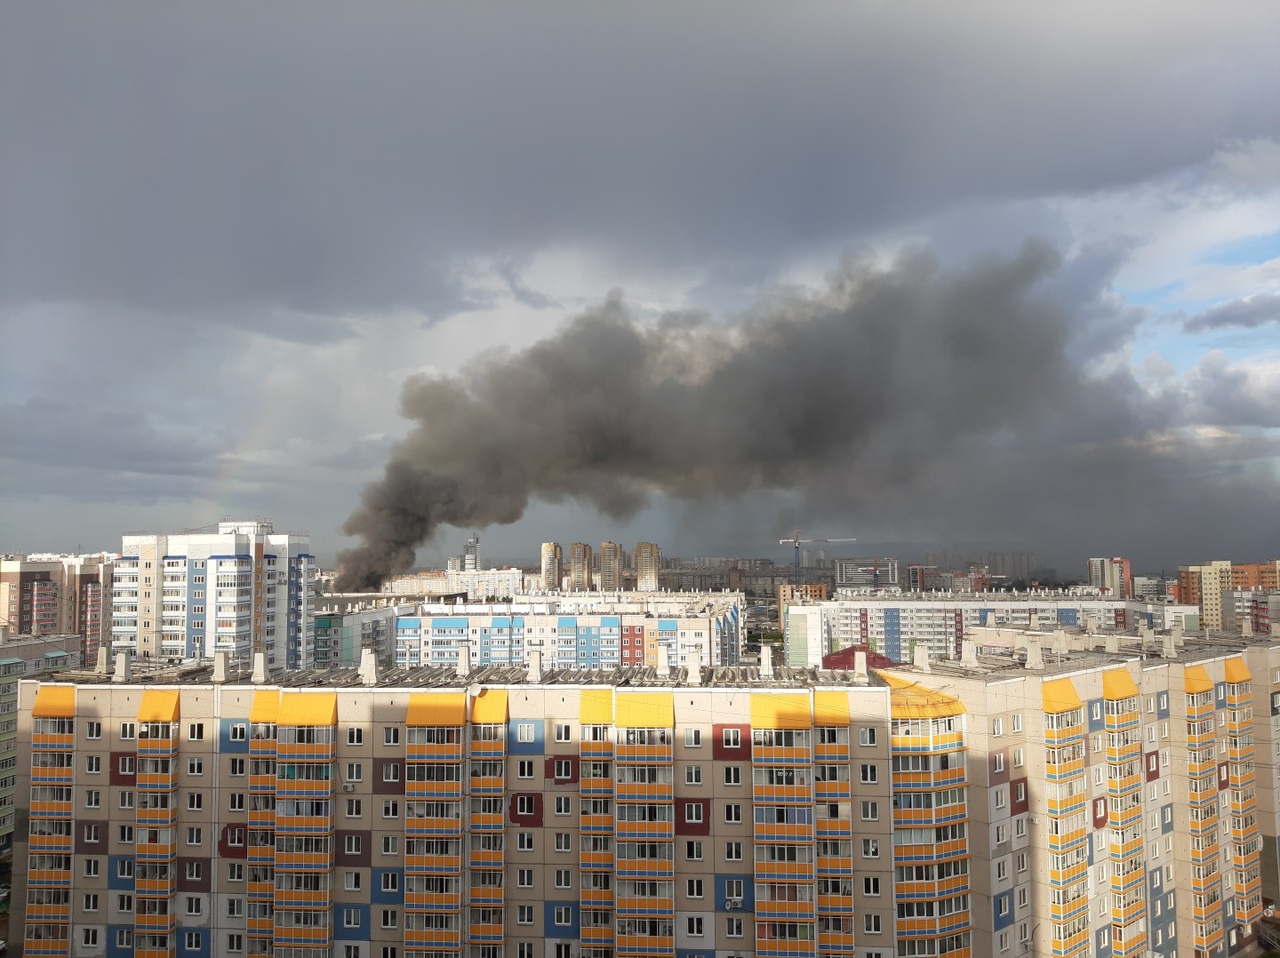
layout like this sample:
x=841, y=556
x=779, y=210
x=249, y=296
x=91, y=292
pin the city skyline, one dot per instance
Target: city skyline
x=989, y=276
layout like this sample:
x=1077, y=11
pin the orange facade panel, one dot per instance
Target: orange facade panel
x=55, y=701
x=782, y=710
x=434, y=709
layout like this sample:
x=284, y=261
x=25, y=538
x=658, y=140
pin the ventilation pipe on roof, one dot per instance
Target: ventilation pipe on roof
x=1035, y=655
x=693, y=665
x=920, y=658
x=368, y=665
x=464, y=660
x=124, y=671
x=103, y=665
x=860, y=666
x=219, y=667
x=534, y=657
x=259, y=668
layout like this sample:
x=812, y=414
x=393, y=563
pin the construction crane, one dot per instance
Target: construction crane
x=796, y=539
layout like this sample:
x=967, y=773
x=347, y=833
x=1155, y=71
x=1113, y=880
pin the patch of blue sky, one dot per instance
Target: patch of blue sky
x=1247, y=251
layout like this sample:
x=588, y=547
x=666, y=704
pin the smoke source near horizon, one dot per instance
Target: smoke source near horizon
x=949, y=391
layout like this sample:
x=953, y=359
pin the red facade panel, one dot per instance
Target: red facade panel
x=526, y=809
x=693, y=816
x=731, y=748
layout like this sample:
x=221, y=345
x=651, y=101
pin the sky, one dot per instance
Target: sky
x=929, y=275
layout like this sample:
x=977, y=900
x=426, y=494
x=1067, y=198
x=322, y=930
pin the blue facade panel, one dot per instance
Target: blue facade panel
x=229, y=745
x=114, y=881
x=380, y=893
x=748, y=892
x=538, y=735
x=1002, y=911
x=351, y=922
x=559, y=929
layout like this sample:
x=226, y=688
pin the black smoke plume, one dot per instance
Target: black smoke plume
x=907, y=387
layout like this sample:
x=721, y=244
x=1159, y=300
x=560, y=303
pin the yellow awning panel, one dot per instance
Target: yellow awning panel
x=1237, y=671
x=830, y=708
x=1195, y=679
x=159, y=705
x=265, y=708
x=596, y=707
x=308, y=708
x=428, y=709
x=1118, y=684
x=784, y=710
x=909, y=699
x=55, y=701
x=490, y=707
x=646, y=710
x=1059, y=696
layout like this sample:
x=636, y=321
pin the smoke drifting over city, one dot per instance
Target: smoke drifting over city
x=891, y=381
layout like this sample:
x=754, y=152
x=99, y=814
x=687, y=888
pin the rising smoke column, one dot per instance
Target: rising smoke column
x=892, y=363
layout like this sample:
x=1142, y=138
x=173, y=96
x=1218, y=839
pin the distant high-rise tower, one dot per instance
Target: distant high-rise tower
x=242, y=589
x=552, y=566
x=58, y=595
x=471, y=554
x=648, y=561
x=580, y=567
x=611, y=562
x=1113, y=576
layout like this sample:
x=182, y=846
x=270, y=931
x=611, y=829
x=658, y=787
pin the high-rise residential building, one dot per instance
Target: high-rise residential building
x=58, y=595
x=867, y=573
x=1097, y=798
x=580, y=567
x=240, y=590
x=1204, y=585
x=648, y=565
x=552, y=567
x=1111, y=576
x=612, y=561
x=471, y=554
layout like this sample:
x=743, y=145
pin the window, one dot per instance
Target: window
x=89, y=936
x=870, y=774
x=195, y=801
x=871, y=848
x=563, y=915
x=391, y=772
x=391, y=735
x=127, y=764
x=195, y=871
x=693, y=851
x=355, y=772
x=997, y=762
x=525, y=950
x=524, y=732
x=524, y=841
x=1002, y=869
x=1020, y=827
x=92, y=798
x=563, y=770
x=866, y=735
x=693, y=738
x=733, y=927
x=871, y=924
x=733, y=812
x=563, y=842
x=524, y=768
x=391, y=844
x=871, y=886
x=1002, y=834
x=239, y=731
x=91, y=834
x=91, y=902
x=693, y=926
x=194, y=836
x=128, y=730
x=564, y=804
x=237, y=768
x=391, y=808
x=124, y=938
x=525, y=805
x=355, y=736
x=390, y=918
x=353, y=845
x=732, y=738
x=124, y=868
x=524, y=878
x=563, y=732
x=93, y=730
x=91, y=866
x=195, y=731
x=1018, y=758
x=351, y=881
x=235, y=907
x=524, y=914
x=733, y=775
x=390, y=881
x=693, y=813
x=126, y=834
x=693, y=774
x=235, y=871
x=194, y=907
x=1022, y=861
x=870, y=811
x=354, y=807
x=693, y=888
x=564, y=878
x=351, y=918
x=236, y=802
x=191, y=941
x=125, y=799
x=124, y=903
x=1002, y=798
x=93, y=764
x=1017, y=721
x=733, y=851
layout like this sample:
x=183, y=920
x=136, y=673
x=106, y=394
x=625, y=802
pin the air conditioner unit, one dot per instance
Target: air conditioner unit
x=733, y=904
x=348, y=787
x=1034, y=821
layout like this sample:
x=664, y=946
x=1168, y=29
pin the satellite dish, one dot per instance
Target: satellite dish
x=475, y=690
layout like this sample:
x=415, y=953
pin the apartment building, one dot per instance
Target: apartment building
x=612, y=567
x=896, y=624
x=648, y=565
x=51, y=594
x=552, y=564
x=239, y=590
x=1205, y=585
x=343, y=629
x=582, y=630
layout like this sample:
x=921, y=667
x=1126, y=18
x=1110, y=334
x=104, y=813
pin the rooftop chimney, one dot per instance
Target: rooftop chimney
x=693, y=665
x=968, y=650
x=1113, y=644
x=860, y=665
x=259, y=668
x=124, y=671
x=1168, y=648
x=664, y=661
x=1033, y=621
x=464, y=660
x=368, y=665
x=219, y=667
x=534, y=657
x=766, y=661
x=920, y=658
x=1035, y=656
x=103, y=665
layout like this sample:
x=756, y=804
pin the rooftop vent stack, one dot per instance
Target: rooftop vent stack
x=103, y=665
x=259, y=676
x=368, y=665
x=693, y=665
x=464, y=660
x=535, y=665
x=219, y=667
x=124, y=671
x=1176, y=632
x=664, y=661
x=1169, y=648
x=1092, y=623
x=920, y=658
x=766, y=661
x=1060, y=641
x=968, y=650
x=1035, y=655
x=1113, y=644
x=1033, y=621
x=860, y=666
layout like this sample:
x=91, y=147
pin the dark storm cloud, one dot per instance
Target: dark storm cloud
x=889, y=384
x=346, y=159
x=1250, y=313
